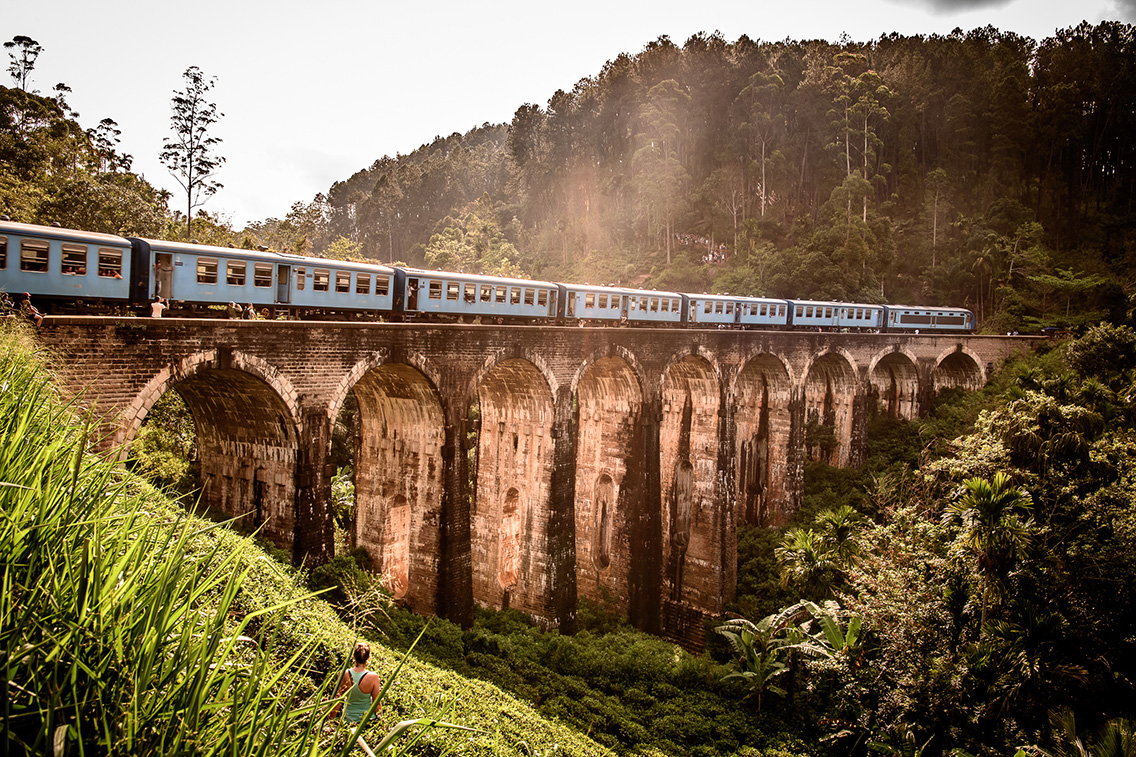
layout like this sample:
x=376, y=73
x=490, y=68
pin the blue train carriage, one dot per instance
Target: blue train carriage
x=67, y=271
x=730, y=310
x=468, y=296
x=919, y=318
x=835, y=316
x=594, y=304
x=762, y=312
x=200, y=278
x=653, y=308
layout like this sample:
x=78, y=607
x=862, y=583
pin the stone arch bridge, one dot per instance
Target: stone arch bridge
x=522, y=467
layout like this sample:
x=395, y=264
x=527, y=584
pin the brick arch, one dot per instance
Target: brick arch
x=830, y=386
x=615, y=351
x=958, y=368
x=699, y=352
x=509, y=517
x=246, y=418
x=609, y=483
x=527, y=355
x=137, y=409
x=380, y=357
x=894, y=380
x=761, y=396
x=689, y=436
x=398, y=472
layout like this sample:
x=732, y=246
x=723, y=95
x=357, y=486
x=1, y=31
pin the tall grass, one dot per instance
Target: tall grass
x=114, y=637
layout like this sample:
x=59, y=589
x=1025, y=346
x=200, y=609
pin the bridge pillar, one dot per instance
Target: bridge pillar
x=314, y=541
x=455, y=579
x=646, y=555
x=562, y=513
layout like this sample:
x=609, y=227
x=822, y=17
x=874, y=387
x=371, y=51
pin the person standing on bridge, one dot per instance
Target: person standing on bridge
x=158, y=306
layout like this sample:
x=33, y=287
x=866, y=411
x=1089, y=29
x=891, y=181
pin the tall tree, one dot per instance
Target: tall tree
x=189, y=153
x=23, y=51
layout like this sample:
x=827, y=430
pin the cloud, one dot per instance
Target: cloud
x=947, y=7
x=1125, y=10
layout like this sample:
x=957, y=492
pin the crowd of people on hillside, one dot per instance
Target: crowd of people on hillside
x=713, y=253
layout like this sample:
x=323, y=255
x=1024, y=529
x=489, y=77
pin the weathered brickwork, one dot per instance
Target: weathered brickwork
x=515, y=466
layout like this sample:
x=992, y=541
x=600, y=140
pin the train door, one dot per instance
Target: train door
x=412, y=294
x=283, y=284
x=164, y=275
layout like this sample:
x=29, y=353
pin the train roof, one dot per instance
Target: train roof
x=928, y=308
x=834, y=304
x=476, y=277
x=736, y=298
x=66, y=235
x=186, y=248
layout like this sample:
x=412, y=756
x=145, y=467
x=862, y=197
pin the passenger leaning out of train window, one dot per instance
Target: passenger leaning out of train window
x=28, y=310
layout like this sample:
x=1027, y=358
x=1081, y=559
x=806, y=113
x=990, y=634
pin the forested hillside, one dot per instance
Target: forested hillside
x=979, y=168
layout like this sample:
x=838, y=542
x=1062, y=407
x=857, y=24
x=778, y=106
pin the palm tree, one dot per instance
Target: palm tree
x=807, y=562
x=993, y=528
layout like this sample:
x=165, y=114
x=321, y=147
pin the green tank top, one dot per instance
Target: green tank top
x=357, y=700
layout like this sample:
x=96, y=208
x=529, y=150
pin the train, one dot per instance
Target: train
x=67, y=271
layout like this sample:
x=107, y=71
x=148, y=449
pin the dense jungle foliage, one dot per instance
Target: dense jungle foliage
x=979, y=168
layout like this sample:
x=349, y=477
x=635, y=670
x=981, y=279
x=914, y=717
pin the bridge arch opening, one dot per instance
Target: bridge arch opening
x=688, y=449
x=247, y=450
x=830, y=393
x=509, y=514
x=609, y=490
x=762, y=423
x=398, y=480
x=895, y=384
x=957, y=370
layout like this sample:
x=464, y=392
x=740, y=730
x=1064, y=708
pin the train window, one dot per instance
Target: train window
x=514, y=295
x=235, y=273
x=718, y=308
x=451, y=290
x=828, y=312
x=707, y=307
x=590, y=300
x=74, y=260
x=486, y=293
x=665, y=305
x=33, y=255
x=643, y=304
x=382, y=285
x=800, y=311
x=300, y=276
x=435, y=290
x=729, y=308
x=362, y=283
x=602, y=301
x=110, y=263
x=207, y=270
x=809, y=311
x=470, y=293
x=3, y=253
x=262, y=274
x=501, y=294
x=654, y=304
x=343, y=281
x=764, y=309
x=542, y=298
x=321, y=279
x=530, y=295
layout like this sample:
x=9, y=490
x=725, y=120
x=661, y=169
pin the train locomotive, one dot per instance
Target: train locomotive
x=77, y=272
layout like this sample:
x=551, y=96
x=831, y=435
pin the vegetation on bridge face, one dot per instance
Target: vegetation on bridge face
x=128, y=626
x=981, y=169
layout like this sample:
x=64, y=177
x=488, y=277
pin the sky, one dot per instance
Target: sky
x=313, y=92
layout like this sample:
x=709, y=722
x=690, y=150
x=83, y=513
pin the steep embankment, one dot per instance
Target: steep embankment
x=128, y=626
